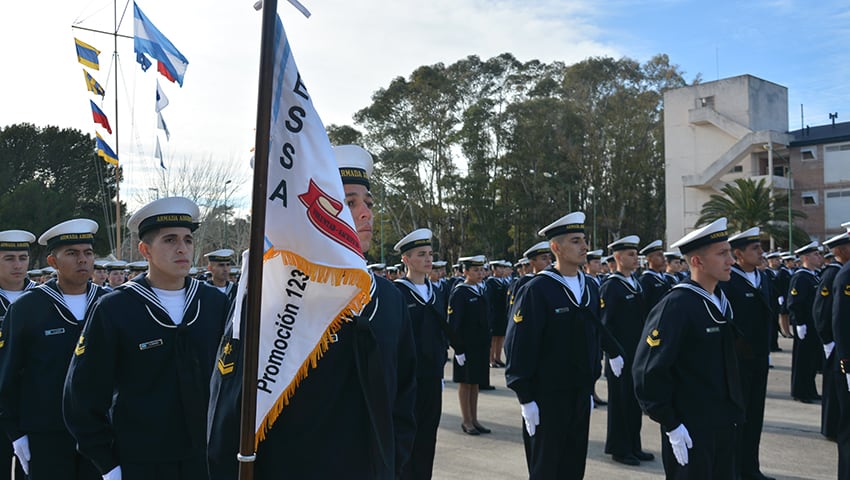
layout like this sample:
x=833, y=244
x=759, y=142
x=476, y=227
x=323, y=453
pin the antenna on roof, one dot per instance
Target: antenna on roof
x=833, y=116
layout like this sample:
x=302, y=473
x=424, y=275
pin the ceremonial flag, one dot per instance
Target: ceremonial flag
x=158, y=154
x=161, y=99
x=160, y=124
x=92, y=85
x=104, y=152
x=313, y=274
x=86, y=54
x=148, y=40
x=99, y=117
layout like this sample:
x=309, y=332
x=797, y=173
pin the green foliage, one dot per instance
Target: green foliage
x=747, y=204
x=486, y=152
x=49, y=175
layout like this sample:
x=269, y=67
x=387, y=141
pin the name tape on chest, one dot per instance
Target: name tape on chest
x=151, y=344
x=54, y=331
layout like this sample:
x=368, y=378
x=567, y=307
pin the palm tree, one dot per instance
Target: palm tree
x=747, y=204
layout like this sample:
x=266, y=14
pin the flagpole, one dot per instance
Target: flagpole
x=251, y=332
x=117, y=147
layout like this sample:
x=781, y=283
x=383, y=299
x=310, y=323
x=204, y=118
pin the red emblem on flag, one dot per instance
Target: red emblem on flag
x=323, y=212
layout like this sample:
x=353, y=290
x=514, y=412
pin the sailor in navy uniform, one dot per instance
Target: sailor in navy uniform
x=138, y=384
x=593, y=269
x=14, y=281
x=38, y=338
x=134, y=269
x=218, y=264
x=624, y=314
x=468, y=313
x=653, y=280
x=674, y=265
x=426, y=306
x=115, y=274
x=685, y=372
x=802, y=290
x=98, y=276
x=437, y=277
x=749, y=293
x=773, y=262
x=353, y=415
x=822, y=314
x=496, y=291
x=840, y=294
x=552, y=348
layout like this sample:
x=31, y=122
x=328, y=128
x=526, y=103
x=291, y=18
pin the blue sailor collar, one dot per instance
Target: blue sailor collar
x=52, y=290
x=725, y=309
x=637, y=288
x=554, y=274
x=412, y=287
x=4, y=300
x=141, y=288
x=736, y=269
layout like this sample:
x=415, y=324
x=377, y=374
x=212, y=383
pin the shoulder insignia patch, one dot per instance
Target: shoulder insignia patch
x=225, y=368
x=653, y=339
x=847, y=290
x=601, y=303
x=81, y=346
x=824, y=292
x=517, y=317
x=450, y=311
x=793, y=292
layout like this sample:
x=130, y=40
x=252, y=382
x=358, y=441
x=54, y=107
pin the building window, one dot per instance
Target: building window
x=807, y=154
x=737, y=169
x=836, y=206
x=810, y=198
x=836, y=163
x=705, y=102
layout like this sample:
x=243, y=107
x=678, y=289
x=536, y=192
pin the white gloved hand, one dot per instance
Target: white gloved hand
x=801, y=332
x=848, y=382
x=461, y=359
x=827, y=349
x=617, y=365
x=22, y=451
x=531, y=416
x=681, y=441
x=114, y=474
x=592, y=403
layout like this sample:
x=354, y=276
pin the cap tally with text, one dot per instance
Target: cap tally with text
x=625, y=243
x=745, y=238
x=537, y=249
x=140, y=266
x=714, y=232
x=16, y=240
x=473, y=261
x=116, y=265
x=595, y=255
x=812, y=247
x=70, y=232
x=569, y=223
x=417, y=238
x=355, y=164
x=221, y=255
x=654, y=246
x=163, y=213
x=837, y=240
x=34, y=273
x=100, y=264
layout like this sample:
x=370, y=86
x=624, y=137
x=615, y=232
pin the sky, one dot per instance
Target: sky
x=348, y=49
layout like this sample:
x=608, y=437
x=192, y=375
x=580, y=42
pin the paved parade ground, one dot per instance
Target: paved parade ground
x=791, y=444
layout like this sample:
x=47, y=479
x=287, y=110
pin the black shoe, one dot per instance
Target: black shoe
x=804, y=400
x=644, y=456
x=500, y=364
x=775, y=349
x=486, y=387
x=469, y=431
x=482, y=429
x=756, y=476
x=626, y=460
x=599, y=402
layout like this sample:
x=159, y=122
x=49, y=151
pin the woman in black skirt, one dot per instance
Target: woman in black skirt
x=468, y=315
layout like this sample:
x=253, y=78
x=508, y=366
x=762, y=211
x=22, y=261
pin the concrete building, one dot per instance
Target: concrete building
x=717, y=132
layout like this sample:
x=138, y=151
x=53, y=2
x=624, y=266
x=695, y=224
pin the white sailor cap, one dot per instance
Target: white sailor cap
x=355, y=164
x=537, y=249
x=837, y=240
x=165, y=212
x=36, y=272
x=745, y=238
x=671, y=255
x=116, y=265
x=193, y=270
x=100, y=264
x=846, y=226
x=439, y=264
x=235, y=270
x=654, y=246
x=523, y=261
x=712, y=233
x=140, y=266
x=16, y=240
x=377, y=266
x=500, y=263
x=417, y=238
x=809, y=248
x=472, y=261
x=70, y=232
x=774, y=255
x=569, y=223
x=595, y=254
x=48, y=270
x=220, y=255
x=788, y=256
x=625, y=243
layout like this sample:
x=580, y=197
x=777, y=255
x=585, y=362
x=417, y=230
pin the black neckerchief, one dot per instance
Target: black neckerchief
x=140, y=288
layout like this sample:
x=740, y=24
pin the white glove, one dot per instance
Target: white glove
x=114, y=474
x=531, y=416
x=801, y=332
x=848, y=382
x=827, y=349
x=592, y=403
x=681, y=441
x=617, y=365
x=461, y=359
x=22, y=451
